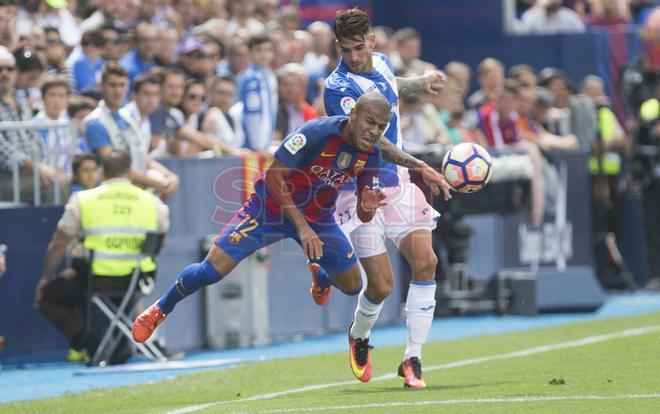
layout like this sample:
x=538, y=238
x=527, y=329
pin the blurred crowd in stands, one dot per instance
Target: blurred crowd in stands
x=204, y=78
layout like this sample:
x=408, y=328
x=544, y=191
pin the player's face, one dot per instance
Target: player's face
x=369, y=125
x=356, y=52
x=114, y=90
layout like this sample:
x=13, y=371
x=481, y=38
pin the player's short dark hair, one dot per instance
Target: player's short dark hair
x=78, y=159
x=351, y=23
x=257, y=40
x=116, y=163
x=55, y=81
x=113, y=69
x=78, y=103
x=145, y=79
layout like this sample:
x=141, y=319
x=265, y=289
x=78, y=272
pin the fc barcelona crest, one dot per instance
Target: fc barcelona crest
x=344, y=160
x=234, y=237
x=359, y=166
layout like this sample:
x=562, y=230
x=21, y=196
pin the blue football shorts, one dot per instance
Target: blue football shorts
x=253, y=228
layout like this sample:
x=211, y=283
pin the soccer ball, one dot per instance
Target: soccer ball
x=467, y=167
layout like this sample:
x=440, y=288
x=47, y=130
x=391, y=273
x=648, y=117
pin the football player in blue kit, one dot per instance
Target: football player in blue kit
x=295, y=198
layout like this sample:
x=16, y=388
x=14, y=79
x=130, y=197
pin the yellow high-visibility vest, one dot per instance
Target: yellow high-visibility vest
x=115, y=219
x=649, y=110
x=611, y=161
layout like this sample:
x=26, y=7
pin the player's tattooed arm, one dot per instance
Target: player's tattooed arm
x=431, y=177
x=391, y=153
x=430, y=82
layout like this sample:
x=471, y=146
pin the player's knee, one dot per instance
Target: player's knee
x=424, y=266
x=350, y=285
x=377, y=293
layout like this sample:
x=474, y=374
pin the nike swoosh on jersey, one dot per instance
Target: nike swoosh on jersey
x=349, y=255
x=325, y=154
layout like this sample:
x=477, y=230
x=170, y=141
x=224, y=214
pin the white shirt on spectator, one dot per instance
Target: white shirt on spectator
x=564, y=20
x=130, y=110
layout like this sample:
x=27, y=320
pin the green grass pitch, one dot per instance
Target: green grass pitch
x=605, y=374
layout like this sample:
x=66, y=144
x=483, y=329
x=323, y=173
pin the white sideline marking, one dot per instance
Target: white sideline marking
x=525, y=352
x=468, y=401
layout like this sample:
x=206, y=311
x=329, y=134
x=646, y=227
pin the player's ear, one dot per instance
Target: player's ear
x=371, y=40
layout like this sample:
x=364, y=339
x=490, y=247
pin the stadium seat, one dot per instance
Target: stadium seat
x=119, y=314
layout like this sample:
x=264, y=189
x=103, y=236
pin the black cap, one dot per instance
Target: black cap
x=27, y=59
x=549, y=74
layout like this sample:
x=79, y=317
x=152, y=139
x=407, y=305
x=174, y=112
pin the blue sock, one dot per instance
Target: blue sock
x=193, y=277
x=323, y=278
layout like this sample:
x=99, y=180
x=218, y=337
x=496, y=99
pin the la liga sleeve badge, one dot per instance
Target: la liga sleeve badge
x=295, y=143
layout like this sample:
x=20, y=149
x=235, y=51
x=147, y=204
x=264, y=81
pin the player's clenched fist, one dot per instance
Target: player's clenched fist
x=370, y=199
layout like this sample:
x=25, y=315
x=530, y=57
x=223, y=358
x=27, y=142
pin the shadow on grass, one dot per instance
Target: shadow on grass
x=381, y=389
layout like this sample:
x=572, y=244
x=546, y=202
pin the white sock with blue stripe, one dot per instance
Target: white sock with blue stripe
x=420, y=306
x=366, y=315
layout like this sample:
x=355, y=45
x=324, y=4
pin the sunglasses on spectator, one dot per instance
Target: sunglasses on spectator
x=53, y=42
x=207, y=56
x=194, y=97
x=7, y=68
x=112, y=40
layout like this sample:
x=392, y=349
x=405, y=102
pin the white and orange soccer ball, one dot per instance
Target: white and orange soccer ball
x=467, y=167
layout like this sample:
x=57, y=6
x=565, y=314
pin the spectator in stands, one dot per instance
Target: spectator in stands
x=166, y=52
x=22, y=147
x=462, y=74
x=79, y=108
x=490, y=74
x=60, y=297
x=237, y=60
x=242, y=22
x=8, y=36
x=190, y=54
x=573, y=114
x=408, y=49
x=140, y=60
x=89, y=64
x=50, y=13
x=56, y=92
x=55, y=54
x=30, y=69
x=523, y=74
x=384, y=40
x=209, y=58
x=266, y=10
x=224, y=115
x=108, y=12
x=187, y=16
x=315, y=80
x=194, y=111
x=293, y=110
x=116, y=43
x=608, y=13
x=288, y=18
x=167, y=122
x=106, y=129
x=316, y=59
x=85, y=172
x=532, y=110
x=258, y=91
x=145, y=100
x=550, y=17
x=449, y=107
x=421, y=129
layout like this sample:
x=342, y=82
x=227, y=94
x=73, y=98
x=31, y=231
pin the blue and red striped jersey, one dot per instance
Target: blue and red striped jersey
x=322, y=163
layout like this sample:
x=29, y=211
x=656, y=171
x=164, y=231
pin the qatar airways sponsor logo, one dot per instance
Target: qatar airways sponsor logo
x=329, y=176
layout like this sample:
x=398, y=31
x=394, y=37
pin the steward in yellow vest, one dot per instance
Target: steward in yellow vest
x=113, y=219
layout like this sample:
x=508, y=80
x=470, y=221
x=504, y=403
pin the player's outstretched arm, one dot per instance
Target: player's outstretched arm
x=431, y=177
x=430, y=82
x=279, y=190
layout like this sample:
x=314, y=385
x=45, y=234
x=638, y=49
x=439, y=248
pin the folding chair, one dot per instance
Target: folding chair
x=120, y=320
